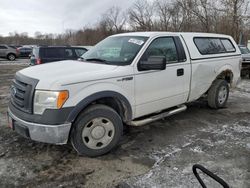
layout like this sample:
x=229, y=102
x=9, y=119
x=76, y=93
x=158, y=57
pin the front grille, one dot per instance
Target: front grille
x=22, y=91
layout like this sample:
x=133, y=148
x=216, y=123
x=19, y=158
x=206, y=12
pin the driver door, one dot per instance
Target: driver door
x=158, y=90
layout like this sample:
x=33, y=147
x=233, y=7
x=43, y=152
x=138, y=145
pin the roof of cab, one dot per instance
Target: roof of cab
x=160, y=33
x=188, y=38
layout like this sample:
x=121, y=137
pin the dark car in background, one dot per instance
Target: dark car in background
x=24, y=51
x=245, y=60
x=8, y=52
x=47, y=54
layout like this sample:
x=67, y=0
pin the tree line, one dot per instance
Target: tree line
x=229, y=17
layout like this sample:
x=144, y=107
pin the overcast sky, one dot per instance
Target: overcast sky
x=52, y=16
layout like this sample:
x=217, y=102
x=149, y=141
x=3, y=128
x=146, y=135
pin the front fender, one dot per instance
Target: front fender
x=103, y=94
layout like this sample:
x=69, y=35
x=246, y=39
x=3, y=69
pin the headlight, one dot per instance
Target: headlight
x=49, y=100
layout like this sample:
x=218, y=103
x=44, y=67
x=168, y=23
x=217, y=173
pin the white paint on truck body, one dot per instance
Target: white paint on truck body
x=148, y=91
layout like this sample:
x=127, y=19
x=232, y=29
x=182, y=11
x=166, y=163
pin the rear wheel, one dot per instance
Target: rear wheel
x=96, y=131
x=218, y=94
x=11, y=57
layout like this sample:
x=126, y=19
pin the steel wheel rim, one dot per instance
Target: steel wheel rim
x=222, y=95
x=98, y=133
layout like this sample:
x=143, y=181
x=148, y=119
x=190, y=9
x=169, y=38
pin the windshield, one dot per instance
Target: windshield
x=117, y=50
x=244, y=50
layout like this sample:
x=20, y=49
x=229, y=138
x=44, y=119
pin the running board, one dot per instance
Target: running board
x=179, y=109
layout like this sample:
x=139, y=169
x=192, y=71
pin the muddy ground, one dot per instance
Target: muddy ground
x=157, y=155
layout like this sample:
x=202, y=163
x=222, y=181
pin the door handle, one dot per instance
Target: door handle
x=180, y=72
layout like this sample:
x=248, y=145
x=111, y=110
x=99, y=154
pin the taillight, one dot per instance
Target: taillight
x=38, y=61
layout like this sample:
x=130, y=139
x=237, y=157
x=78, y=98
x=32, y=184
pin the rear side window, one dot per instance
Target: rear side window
x=228, y=45
x=53, y=52
x=68, y=53
x=13, y=47
x=208, y=46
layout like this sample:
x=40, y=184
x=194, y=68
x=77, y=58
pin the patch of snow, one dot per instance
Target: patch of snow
x=248, y=145
x=197, y=149
x=241, y=129
x=187, y=144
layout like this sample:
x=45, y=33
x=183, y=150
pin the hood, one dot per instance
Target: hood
x=65, y=72
x=246, y=56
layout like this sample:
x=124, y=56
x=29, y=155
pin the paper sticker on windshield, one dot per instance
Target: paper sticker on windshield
x=136, y=41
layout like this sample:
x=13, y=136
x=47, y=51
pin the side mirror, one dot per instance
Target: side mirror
x=153, y=63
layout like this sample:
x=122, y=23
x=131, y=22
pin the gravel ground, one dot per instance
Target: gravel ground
x=157, y=155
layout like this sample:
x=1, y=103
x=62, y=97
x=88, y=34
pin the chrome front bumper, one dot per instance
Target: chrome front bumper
x=55, y=134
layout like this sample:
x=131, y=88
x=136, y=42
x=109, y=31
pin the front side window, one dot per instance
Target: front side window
x=80, y=51
x=3, y=47
x=116, y=50
x=163, y=46
x=53, y=52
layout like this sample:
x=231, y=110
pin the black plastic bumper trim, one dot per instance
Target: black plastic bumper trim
x=49, y=117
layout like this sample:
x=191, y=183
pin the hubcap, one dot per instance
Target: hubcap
x=222, y=96
x=12, y=57
x=98, y=133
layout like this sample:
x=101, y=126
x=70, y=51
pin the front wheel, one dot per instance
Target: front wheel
x=96, y=131
x=218, y=94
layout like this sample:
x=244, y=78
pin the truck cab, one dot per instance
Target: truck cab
x=129, y=78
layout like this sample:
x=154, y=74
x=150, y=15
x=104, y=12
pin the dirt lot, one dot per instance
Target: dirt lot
x=157, y=155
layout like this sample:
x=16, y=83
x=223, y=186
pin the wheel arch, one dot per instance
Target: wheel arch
x=11, y=53
x=227, y=75
x=112, y=99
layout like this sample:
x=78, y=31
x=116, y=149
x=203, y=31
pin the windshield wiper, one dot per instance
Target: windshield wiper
x=96, y=59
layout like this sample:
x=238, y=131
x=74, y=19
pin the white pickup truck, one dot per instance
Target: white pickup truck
x=130, y=78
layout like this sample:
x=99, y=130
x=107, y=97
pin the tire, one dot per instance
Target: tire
x=11, y=57
x=96, y=131
x=218, y=94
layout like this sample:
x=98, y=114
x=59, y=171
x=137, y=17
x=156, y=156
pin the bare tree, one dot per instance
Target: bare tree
x=202, y=10
x=115, y=19
x=141, y=15
x=164, y=13
x=236, y=10
x=220, y=16
x=178, y=16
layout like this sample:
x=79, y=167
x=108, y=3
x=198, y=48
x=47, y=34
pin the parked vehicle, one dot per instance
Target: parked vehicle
x=15, y=46
x=245, y=60
x=24, y=51
x=130, y=78
x=47, y=54
x=8, y=52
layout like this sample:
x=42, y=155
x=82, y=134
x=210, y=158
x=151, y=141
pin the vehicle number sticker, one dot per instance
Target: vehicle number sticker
x=136, y=41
